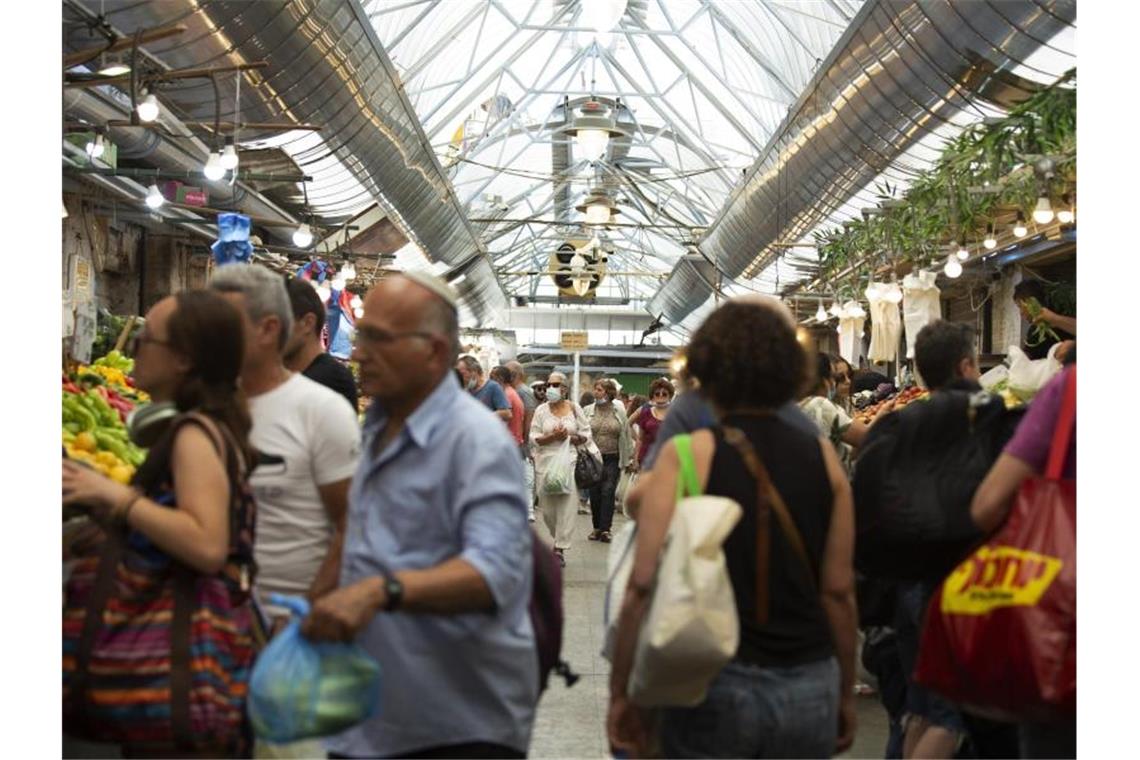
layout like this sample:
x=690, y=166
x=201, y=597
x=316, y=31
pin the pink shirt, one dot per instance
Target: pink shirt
x=518, y=412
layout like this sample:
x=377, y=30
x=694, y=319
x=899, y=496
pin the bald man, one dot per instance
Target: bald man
x=436, y=576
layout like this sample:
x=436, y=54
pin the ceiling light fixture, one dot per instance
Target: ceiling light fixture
x=114, y=66
x=962, y=253
x=1065, y=215
x=148, y=109
x=603, y=15
x=1019, y=228
x=836, y=309
x=821, y=313
x=1043, y=214
x=592, y=130
x=229, y=155
x=154, y=197
x=953, y=268
x=214, y=169
x=599, y=208
x=96, y=146
x=991, y=239
x=303, y=236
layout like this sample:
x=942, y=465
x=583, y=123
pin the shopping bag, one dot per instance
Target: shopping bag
x=619, y=565
x=625, y=484
x=587, y=470
x=301, y=689
x=1027, y=376
x=691, y=630
x=1001, y=632
x=559, y=475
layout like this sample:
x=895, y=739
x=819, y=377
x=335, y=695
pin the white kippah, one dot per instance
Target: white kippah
x=436, y=285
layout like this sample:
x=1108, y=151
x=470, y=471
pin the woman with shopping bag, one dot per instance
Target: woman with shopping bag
x=788, y=690
x=558, y=430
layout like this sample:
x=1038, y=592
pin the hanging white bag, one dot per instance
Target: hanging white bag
x=559, y=475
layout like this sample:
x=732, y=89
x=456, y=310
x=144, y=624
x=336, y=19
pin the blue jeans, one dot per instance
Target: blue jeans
x=759, y=712
x=913, y=599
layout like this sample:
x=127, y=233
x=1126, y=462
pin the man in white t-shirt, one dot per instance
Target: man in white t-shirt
x=308, y=443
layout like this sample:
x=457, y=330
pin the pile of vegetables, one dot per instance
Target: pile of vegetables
x=902, y=399
x=1040, y=331
x=97, y=400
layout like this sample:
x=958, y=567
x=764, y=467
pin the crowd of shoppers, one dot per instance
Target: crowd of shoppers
x=409, y=535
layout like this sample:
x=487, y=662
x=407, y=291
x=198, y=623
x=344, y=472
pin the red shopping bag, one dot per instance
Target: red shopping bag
x=1001, y=632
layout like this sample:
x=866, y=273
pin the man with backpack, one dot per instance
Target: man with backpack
x=436, y=578
x=912, y=488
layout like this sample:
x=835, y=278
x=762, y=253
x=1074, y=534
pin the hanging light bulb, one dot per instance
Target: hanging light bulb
x=836, y=309
x=1043, y=214
x=214, y=169
x=953, y=268
x=991, y=241
x=348, y=272
x=603, y=15
x=113, y=66
x=1065, y=215
x=962, y=253
x=821, y=313
x=96, y=146
x=356, y=302
x=154, y=197
x=1019, y=228
x=358, y=311
x=592, y=143
x=303, y=237
x=148, y=109
x=597, y=213
x=229, y=155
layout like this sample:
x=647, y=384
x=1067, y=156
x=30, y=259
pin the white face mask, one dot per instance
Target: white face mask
x=553, y=395
x=661, y=404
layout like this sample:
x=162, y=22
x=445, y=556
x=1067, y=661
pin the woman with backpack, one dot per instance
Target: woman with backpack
x=788, y=691
x=158, y=619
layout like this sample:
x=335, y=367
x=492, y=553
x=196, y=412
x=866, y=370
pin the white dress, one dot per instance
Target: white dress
x=921, y=305
x=851, y=333
x=886, y=327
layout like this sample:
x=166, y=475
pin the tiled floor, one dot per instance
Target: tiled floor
x=571, y=722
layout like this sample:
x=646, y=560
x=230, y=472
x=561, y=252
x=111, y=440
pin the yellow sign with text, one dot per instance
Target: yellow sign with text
x=995, y=577
x=575, y=341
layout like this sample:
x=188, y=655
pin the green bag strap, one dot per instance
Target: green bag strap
x=688, y=484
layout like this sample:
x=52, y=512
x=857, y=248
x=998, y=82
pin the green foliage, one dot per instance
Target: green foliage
x=939, y=206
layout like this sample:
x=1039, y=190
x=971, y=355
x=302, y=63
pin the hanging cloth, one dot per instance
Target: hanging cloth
x=922, y=305
x=851, y=332
x=886, y=326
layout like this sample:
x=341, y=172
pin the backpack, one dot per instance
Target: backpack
x=546, y=614
x=915, y=478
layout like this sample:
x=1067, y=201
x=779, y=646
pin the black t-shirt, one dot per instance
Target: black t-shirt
x=797, y=630
x=332, y=374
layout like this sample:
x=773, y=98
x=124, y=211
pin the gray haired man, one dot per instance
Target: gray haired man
x=308, y=443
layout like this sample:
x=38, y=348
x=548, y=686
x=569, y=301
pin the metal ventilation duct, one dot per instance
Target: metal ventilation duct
x=902, y=68
x=326, y=66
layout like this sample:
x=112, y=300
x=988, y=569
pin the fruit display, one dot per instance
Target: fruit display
x=97, y=399
x=901, y=400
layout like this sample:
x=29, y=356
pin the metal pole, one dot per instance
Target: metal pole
x=577, y=380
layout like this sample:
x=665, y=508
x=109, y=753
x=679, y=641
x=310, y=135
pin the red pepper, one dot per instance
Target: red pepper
x=70, y=388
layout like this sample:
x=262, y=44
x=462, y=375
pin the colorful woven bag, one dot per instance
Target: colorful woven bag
x=156, y=656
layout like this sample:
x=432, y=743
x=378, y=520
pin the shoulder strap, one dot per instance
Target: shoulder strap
x=688, y=483
x=768, y=500
x=1063, y=432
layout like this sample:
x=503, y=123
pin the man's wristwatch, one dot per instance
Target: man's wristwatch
x=394, y=594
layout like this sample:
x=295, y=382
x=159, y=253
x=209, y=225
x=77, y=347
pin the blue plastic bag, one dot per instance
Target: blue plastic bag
x=301, y=689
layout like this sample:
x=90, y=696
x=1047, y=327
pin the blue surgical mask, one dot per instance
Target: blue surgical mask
x=831, y=394
x=553, y=395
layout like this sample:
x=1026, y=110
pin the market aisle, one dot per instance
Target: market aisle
x=571, y=722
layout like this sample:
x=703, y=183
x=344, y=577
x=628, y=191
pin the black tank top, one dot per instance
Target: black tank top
x=797, y=630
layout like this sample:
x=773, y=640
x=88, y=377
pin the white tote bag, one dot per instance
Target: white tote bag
x=691, y=630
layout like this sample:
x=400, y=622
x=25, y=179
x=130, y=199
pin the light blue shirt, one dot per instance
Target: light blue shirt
x=449, y=485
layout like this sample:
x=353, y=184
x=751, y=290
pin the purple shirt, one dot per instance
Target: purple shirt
x=1034, y=435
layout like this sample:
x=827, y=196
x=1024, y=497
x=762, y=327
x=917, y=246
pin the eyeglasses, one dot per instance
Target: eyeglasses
x=554, y=385
x=141, y=339
x=375, y=336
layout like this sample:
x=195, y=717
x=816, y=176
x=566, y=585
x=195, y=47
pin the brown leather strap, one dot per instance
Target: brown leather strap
x=768, y=500
x=101, y=591
x=180, y=680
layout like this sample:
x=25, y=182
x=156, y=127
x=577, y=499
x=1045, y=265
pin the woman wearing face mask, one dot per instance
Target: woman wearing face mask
x=610, y=430
x=833, y=422
x=554, y=422
x=649, y=419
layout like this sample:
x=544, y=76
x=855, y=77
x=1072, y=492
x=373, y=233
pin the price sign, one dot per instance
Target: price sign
x=575, y=341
